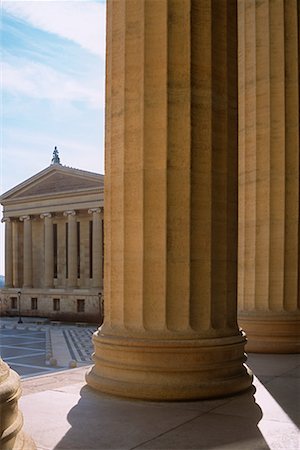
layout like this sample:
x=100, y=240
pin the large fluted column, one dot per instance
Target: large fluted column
x=8, y=252
x=170, y=329
x=269, y=175
x=72, y=248
x=48, y=249
x=97, y=246
x=27, y=251
x=12, y=436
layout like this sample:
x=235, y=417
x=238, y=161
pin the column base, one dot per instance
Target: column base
x=169, y=370
x=270, y=333
x=12, y=437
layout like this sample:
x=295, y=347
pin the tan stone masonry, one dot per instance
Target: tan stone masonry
x=170, y=329
x=269, y=175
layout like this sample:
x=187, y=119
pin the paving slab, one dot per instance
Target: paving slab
x=89, y=420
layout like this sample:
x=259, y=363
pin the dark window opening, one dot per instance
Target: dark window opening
x=56, y=304
x=55, y=250
x=34, y=303
x=80, y=305
x=67, y=248
x=102, y=256
x=14, y=303
x=78, y=249
x=91, y=247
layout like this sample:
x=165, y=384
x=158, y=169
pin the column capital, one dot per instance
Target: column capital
x=46, y=214
x=24, y=218
x=95, y=210
x=70, y=212
x=6, y=219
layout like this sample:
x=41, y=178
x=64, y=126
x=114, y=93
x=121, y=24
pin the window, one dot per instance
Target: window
x=14, y=303
x=67, y=249
x=34, y=305
x=78, y=249
x=55, y=250
x=56, y=304
x=80, y=305
x=102, y=228
x=91, y=247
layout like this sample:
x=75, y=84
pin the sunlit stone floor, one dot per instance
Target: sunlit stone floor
x=61, y=412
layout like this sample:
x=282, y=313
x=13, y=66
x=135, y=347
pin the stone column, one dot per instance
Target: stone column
x=48, y=249
x=8, y=252
x=97, y=246
x=72, y=248
x=12, y=436
x=170, y=327
x=269, y=175
x=27, y=251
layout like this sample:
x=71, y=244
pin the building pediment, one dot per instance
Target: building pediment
x=54, y=180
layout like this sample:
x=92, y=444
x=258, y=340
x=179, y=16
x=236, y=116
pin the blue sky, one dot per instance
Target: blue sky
x=52, y=82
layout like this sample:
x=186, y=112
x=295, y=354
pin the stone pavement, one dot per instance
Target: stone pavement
x=61, y=412
x=38, y=348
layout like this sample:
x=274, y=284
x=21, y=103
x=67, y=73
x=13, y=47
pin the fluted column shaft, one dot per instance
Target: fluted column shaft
x=8, y=252
x=170, y=328
x=27, y=251
x=269, y=175
x=72, y=248
x=97, y=246
x=48, y=249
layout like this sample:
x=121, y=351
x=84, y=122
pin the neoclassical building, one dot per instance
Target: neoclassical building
x=54, y=245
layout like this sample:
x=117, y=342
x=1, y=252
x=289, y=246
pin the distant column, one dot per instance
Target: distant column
x=269, y=175
x=72, y=248
x=48, y=249
x=97, y=246
x=8, y=252
x=27, y=251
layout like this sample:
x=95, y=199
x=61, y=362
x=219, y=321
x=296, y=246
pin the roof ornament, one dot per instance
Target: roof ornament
x=55, y=158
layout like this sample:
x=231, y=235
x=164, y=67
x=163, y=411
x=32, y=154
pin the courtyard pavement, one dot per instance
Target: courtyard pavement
x=62, y=413
x=39, y=348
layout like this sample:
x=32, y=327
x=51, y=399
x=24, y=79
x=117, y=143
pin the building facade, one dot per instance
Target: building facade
x=54, y=245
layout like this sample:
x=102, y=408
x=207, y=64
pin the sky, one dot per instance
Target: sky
x=52, y=83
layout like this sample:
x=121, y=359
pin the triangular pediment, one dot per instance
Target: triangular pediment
x=54, y=180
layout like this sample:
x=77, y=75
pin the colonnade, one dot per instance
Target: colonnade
x=12, y=256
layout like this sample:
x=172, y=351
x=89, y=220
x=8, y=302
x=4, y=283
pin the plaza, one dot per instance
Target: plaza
x=61, y=412
x=35, y=349
x=266, y=417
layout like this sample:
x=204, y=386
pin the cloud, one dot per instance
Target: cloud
x=42, y=82
x=83, y=24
